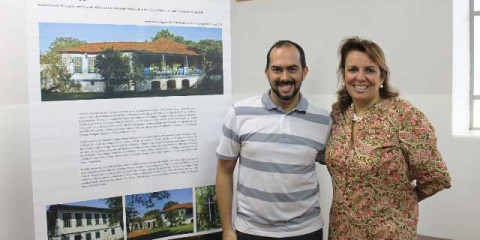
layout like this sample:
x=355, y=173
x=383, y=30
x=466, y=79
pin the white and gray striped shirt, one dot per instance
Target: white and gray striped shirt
x=277, y=189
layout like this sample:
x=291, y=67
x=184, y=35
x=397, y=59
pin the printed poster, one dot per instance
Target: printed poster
x=127, y=100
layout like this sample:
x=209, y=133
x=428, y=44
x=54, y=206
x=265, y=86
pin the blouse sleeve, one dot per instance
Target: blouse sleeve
x=419, y=145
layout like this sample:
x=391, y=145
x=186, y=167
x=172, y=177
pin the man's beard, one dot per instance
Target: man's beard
x=285, y=98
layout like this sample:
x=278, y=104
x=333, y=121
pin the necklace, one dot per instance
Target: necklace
x=356, y=118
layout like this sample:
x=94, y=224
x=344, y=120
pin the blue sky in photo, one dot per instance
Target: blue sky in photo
x=118, y=33
x=98, y=203
x=184, y=195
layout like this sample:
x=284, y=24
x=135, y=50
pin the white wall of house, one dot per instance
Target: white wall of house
x=415, y=34
x=95, y=225
x=81, y=71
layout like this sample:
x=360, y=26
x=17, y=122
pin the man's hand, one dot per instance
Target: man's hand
x=224, y=189
x=229, y=235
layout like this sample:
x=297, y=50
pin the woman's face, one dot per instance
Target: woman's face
x=362, y=79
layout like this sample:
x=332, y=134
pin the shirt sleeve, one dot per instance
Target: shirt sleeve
x=229, y=145
x=419, y=145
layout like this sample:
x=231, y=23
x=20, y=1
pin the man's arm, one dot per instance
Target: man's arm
x=224, y=189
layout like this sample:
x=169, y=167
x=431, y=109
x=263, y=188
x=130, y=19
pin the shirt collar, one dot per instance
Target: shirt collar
x=302, y=105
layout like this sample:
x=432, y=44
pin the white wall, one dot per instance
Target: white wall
x=416, y=36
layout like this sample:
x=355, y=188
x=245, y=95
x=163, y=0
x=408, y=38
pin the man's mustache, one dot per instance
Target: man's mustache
x=280, y=83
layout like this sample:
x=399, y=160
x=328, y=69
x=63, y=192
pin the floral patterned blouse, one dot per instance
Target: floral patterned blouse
x=373, y=195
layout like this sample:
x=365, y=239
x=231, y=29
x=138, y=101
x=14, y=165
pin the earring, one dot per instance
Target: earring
x=381, y=86
x=343, y=83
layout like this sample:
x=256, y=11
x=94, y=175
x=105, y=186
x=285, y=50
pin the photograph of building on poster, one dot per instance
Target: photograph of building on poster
x=159, y=214
x=207, y=214
x=95, y=219
x=99, y=61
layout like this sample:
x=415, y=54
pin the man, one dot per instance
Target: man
x=276, y=137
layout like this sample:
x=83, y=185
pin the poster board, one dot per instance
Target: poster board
x=126, y=105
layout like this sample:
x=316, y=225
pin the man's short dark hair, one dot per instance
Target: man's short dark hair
x=284, y=43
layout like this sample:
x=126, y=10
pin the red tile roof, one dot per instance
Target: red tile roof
x=161, y=45
x=179, y=206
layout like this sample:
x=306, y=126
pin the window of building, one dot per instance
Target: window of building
x=466, y=68
x=78, y=218
x=88, y=216
x=104, y=218
x=78, y=237
x=67, y=220
x=88, y=236
x=97, y=234
x=77, y=65
x=97, y=219
x=475, y=64
x=113, y=231
x=91, y=65
x=92, y=83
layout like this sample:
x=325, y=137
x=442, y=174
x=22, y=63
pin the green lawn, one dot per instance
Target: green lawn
x=160, y=232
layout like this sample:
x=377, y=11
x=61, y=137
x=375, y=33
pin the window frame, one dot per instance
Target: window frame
x=80, y=59
x=472, y=97
x=78, y=221
x=91, y=65
x=67, y=221
x=88, y=216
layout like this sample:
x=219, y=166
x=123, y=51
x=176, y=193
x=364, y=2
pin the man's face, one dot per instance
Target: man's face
x=285, y=73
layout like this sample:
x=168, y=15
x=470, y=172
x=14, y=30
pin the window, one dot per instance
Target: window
x=89, y=218
x=97, y=234
x=88, y=236
x=77, y=65
x=78, y=218
x=97, y=219
x=466, y=58
x=92, y=83
x=91, y=65
x=113, y=231
x=104, y=217
x=67, y=217
x=78, y=237
x=475, y=64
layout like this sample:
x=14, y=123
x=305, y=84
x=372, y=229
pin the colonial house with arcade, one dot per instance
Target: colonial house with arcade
x=182, y=211
x=166, y=65
x=68, y=222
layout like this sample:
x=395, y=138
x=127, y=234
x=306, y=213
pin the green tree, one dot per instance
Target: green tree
x=115, y=211
x=147, y=200
x=212, y=52
x=114, y=67
x=168, y=35
x=208, y=216
x=171, y=216
x=138, y=66
x=63, y=43
x=169, y=204
x=54, y=74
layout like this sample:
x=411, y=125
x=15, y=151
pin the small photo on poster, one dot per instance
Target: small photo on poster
x=159, y=214
x=207, y=214
x=104, y=61
x=94, y=219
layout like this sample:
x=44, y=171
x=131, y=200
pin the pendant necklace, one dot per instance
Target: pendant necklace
x=356, y=118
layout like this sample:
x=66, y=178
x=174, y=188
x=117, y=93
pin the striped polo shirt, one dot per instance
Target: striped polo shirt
x=277, y=188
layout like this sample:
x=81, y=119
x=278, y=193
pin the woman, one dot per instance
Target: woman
x=381, y=154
